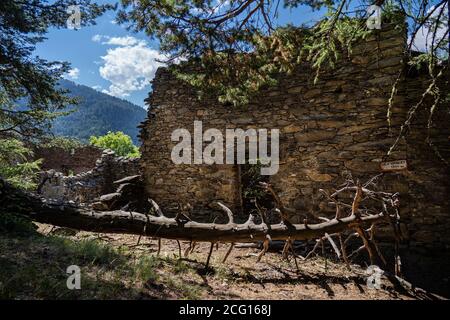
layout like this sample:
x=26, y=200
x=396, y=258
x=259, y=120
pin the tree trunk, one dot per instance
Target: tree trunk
x=172, y=228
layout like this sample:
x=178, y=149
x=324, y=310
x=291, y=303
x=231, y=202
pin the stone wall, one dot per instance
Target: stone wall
x=328, y=131
x=87, y=187
x=428, y=178
x=68, y=161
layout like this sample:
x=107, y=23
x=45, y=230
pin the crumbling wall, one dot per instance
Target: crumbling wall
x=328, y=131
x=428, y=194
x=87, y=186
x=68, y=161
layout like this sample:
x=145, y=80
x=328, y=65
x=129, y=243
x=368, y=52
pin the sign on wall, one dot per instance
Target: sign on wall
x=397, y=165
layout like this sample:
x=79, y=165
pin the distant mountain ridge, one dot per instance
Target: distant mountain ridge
x=97, y=113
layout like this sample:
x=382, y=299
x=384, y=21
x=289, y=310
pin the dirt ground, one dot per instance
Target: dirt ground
x=241, y=277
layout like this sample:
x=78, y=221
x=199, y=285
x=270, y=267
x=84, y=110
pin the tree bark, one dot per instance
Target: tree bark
x=163, y=227
x=171, y=228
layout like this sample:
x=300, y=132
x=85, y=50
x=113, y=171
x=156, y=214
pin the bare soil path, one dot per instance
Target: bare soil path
x=240, y=277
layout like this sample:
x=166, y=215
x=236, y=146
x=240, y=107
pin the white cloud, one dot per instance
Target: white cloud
x=130, y=66
x=216, y=7
x=220, y=5
x=117, y=41
x=73, y=73
x=97, y=87
x=124, y=41
x=97, y=38
x=424, y=36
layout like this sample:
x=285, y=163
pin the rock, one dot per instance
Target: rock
x=64, y=232
x=344, y=106
x=126, y=188
x=319, y=177
x=242, y=120
x=314, y=135
x=129, y=179
x=351, y=129
x=306, y=191
x=292, y=129
x=218, y=122
x=296, y=89
x=330, y=124
x=345, y=154
x=312, y=93
x=361, y=60
x=100, y=206
x=377, y=102
x=283, y=122
x=329, y=130
x=110, y=197
x=362, y=166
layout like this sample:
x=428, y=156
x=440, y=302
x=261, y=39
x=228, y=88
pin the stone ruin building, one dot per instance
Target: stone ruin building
x=93, y=173
x=328, y=130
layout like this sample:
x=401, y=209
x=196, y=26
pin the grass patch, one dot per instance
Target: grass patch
x=145, y=268
x=177, y=265
x=88, y=251
x=224, y=273
x=33, y=266
x=16, y=224
x=184, y=289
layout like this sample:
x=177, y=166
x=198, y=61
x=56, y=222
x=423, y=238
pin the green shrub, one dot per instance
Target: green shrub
x=15, y=166
x=119, y=142
x=89, y=251
x=16, y=224
x=145, y=268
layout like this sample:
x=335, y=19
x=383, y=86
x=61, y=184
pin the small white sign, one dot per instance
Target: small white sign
x=394, y=165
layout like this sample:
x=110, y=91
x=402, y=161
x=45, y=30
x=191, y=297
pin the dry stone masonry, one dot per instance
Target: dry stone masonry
x=328, y=131
x=73, y=161
x=87, y=186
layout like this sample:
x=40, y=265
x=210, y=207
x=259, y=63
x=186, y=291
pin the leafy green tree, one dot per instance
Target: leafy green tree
x=118, y=142
x=26, y=77
x=15, y=166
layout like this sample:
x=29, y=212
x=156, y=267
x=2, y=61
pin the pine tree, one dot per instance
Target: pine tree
x=30, y=79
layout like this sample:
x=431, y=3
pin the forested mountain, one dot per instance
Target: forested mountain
x=97, y=113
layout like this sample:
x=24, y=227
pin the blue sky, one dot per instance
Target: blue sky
x=113, y=60
x=85, y=55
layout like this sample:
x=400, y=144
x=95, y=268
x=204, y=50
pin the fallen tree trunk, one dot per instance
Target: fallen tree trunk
x=172, y=228
x=163, y=227
x=157, y=225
